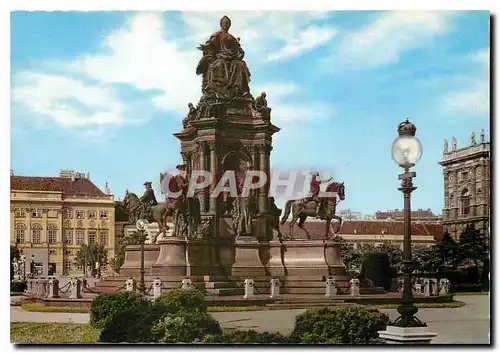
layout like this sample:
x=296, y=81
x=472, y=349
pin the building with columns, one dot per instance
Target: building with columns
x=466, y=173
x=51, y=217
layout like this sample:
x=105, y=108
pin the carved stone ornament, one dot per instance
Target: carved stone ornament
x=104, y=225
x=67, y=223
x=92, y=225
x=79, y=223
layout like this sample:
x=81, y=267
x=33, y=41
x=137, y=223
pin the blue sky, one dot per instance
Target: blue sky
x=103, y=92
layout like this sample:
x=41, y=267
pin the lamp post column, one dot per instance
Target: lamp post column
x=142, y=286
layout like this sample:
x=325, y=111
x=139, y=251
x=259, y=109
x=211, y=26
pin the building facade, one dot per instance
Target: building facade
x=350, y=215
x=466, y=174
x=51, y=217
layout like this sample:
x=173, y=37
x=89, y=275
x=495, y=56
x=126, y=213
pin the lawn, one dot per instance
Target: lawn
x=37, y=307
x=52, y=333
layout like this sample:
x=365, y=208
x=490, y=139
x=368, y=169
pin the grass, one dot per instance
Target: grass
x=37, y=307
x=453, y=304
x=52, y=333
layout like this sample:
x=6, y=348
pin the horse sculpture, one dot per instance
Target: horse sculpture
x=185, y=211
x=300, y=210
x=133, y=208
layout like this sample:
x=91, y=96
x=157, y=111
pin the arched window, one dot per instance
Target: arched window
x=52, y=234
x=20, y=232
x=465, y=202
x=36, y=234
x=452, y=200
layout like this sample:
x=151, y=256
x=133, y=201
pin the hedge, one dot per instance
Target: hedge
x=105, y=306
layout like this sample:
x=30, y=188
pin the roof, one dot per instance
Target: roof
x=82, y=186
x=400, y=214
x=317, y=229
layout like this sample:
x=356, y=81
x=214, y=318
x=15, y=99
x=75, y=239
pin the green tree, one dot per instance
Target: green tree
x=472, y=248
x=89, y=255
x=394, y=252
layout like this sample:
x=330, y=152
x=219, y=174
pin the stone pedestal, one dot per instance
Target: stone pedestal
x=407, y=335
x=171, y=259
x=275, y=267
x=333, y=258
x=247, y=260
x=201, y=257
x=132, y=264
x=305, y=258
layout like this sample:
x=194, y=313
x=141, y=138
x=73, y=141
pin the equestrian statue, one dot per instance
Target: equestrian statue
x=145, y=207
x=184, y=210
x=314, y=205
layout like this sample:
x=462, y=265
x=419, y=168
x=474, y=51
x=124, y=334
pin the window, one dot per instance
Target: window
x=36, y=213
x=52, y=252
x=92, y=237
x=52, y=234
x=68, y=252
x=92, y=214
x=479, y=195
x=79, y=267
x=103, y=238
x=67, y=265
x=80, y=214
x=68, y=214
x=465, y=202
x=79, y=237
x=36, y=236
x=20, y=213
x=20, y=230
x=452, y=200
x=103, y=215
x=68, y=237
x=465, y=176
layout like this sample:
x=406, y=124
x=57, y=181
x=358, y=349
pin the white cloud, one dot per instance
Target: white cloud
x=67, y=101
x=310, y=38
x=148, y=54
x=473, y=97
x=384, y=40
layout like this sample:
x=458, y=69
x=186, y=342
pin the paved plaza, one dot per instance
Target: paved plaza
x=465, y=325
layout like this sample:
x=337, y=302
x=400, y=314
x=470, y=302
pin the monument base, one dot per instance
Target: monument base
x=132, y=264
x=305, y=258
x=247, y=259
x=407, y=335
x=171, y=259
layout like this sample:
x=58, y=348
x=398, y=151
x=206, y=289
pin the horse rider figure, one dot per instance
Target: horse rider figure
x=314, y=189
x=148, y=200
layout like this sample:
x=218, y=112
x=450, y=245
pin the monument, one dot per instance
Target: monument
x=219, y=238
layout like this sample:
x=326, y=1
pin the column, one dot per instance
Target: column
x=472, y=190
x=213, y=171
x=203, y=167
x=264, y=152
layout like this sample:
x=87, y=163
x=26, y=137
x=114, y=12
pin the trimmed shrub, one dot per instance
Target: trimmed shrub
x=105, y=306
x=376, y=267
x=132, y=325
x=182, y=300
x=342, y=325
x=185, y=327
x=18, y=286
x=246, y=337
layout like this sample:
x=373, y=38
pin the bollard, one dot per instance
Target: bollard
x=53, y=288
x=444, y=286
x=427, y=291
x=130, y=284
x=434, y=287
x=187, y=284
x=418, y=289
x=354, y=287
x=156, y=288
x=75, y=288
x=331, y=287
x=275, y=287
x=248, y=288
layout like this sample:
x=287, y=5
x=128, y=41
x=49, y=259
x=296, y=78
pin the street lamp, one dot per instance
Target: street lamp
x=32, y=265
x=406, y=151
x=142, y=225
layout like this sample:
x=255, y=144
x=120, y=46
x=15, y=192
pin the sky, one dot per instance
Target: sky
x=103, y=92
